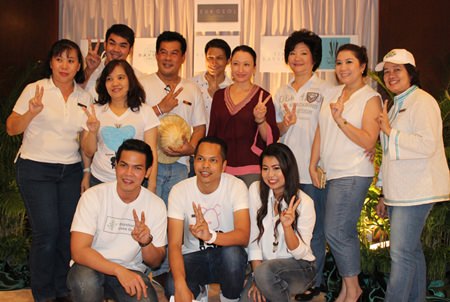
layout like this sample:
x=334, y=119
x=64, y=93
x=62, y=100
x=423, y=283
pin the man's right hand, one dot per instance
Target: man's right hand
x=183, y=294
x=93, y=58
x=131, y=282
x=170, y=101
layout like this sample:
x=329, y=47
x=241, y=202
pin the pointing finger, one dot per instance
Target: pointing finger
x=142, y=217
x=385, y=105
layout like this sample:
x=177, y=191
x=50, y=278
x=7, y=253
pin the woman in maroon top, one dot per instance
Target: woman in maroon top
x=243, y=116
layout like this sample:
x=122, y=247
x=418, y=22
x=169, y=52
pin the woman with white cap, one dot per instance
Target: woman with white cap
x=414, y=172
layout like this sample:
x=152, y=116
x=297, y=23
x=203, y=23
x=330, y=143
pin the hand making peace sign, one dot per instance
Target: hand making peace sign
x=337, y=108
x=35, y=104
x=141, y=232
x=290, y=117
x=383, y=119
x=287, y=216
x=200, y=229
x=92, y=123
x=93, y=59
x=260, y=110
x=170, y=101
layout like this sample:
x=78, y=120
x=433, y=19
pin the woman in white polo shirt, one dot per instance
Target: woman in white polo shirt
x=120, y=113
x=50, y=116
x=347, y=127
x=414, y=172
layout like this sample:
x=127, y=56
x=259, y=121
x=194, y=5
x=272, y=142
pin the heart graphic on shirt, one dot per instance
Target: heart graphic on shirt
x=115, y=136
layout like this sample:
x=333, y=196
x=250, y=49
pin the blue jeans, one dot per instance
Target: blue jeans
x=168, y=176
x=279, y=279
x=50, y=193
x=87, y=284
x=407, y=281
x=318, y=242
x=345, y=198
x=224, y=265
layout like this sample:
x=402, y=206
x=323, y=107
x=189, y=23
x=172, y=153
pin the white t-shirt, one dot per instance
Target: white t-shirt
x=340, y=156
x=52, y=135
x=190, y=106
x=92, y=82
x=218, y=207
x=102, y=214
x=305, y=225
x=202, y=83
x=114, y=130
x=300, y=136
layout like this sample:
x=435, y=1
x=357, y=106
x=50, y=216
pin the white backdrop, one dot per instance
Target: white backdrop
x=91, y=19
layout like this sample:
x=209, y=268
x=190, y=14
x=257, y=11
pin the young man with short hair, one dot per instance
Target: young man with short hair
x=209, y=226
x=118, y=228
x=217, y=57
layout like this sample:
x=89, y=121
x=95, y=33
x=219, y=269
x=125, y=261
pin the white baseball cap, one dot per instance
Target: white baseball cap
x=397, y=56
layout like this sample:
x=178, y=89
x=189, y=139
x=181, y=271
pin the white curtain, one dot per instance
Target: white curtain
x=91, y=19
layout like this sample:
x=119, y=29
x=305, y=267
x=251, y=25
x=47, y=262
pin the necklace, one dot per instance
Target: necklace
x=275, y=219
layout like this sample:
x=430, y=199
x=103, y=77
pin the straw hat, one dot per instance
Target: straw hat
x=171, y=131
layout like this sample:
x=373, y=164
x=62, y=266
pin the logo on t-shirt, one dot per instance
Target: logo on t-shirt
x=118, y=225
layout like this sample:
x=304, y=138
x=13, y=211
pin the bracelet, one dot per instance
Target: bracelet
x=343, y=124
x=213, y=237
x=159, y=109
x=260, y=123
x=87, y=170
x=150, y=241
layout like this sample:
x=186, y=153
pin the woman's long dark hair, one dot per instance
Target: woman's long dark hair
x=135, y=95
x=289, y=168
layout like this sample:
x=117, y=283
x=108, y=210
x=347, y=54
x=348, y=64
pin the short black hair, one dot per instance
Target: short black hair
x=57, y=49
x=219, y=43
x=138, y=146
x=171, y=36
x=121, y=30
x=360, y=53
x=313, y=41
x=214, y=140
x=135, y=95
x=247, y=49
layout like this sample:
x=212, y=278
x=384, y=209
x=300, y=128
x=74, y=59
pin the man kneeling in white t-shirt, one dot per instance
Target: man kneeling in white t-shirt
x=209, y=226
x=118, y=227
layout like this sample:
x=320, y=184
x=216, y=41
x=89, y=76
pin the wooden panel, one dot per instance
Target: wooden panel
x=28, y=29
x=423, y=28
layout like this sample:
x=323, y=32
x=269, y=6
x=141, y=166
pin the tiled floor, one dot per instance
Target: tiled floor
x=24, y=295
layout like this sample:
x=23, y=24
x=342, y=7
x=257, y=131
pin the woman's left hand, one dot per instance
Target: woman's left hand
x=260, y=110
x=287, y=216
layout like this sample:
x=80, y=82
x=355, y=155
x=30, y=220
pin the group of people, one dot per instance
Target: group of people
x=259, y=166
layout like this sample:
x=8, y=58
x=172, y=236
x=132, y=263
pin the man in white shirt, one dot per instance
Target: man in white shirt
x=118, y=228
x=217, y=57
x=119, y=41
x=168, y=93
x=209, y=226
